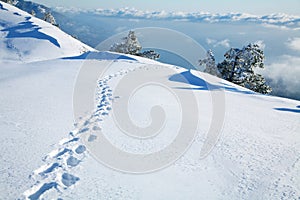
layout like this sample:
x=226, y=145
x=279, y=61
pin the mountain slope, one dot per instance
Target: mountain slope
x=25, y=38
x=252, y=153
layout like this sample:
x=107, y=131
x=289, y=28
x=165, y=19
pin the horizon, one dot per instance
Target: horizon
x=214, y=6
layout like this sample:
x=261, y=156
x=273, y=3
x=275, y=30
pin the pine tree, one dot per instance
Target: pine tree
x=131, y=45
x=210, y=64
x=258, y=84
x=149, y=54
x=238, y=67
x=48, y=17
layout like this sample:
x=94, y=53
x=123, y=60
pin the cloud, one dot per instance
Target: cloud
x=283, y=76
x=294, y=43
x=210, y=41
x=275, y=26
x=282, y=21
x=225, y=43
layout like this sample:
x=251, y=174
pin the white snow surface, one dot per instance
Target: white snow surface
x=256, y=156
x=31, y=39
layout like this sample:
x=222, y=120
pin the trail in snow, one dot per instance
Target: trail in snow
x=258, y=172
x=59, y=171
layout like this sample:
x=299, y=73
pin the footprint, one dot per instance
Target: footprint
x=72, y=140
x=72, y=161
x=45, y=187
x=86, y=123
x=96, y=128
x=65, y=150
x=83, y=130
x=50, y=169
x=80, y=149
x=92, y=138
x=68, y=179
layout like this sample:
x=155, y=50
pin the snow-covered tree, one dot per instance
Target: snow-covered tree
x=258, y=84
x=33, y=13
x=48, y=17
x=131, y=45
x=210, y=64
x=149, y=54
x=238, y=67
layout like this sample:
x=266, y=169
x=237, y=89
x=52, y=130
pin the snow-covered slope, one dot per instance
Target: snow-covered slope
x=255, y=151
x=25, y=38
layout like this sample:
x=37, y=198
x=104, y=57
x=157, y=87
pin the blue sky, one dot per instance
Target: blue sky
x=214, y=6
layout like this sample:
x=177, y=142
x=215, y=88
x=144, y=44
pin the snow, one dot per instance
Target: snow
x=46, y=154
x=28, y=39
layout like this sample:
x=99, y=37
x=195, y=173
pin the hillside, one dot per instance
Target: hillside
x=25, y=38
x=77, y=124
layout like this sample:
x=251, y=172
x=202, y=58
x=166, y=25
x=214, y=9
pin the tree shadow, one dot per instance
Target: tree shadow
x=189, y=78
x=29, y=30
x=99, y=56
x=289, y=109
x=2, y=8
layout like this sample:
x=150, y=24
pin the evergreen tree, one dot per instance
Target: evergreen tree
x=238, y=67
x=131, y=45
x=48, y=17
x=258, y=84
x=210, y=64
x=149, y=54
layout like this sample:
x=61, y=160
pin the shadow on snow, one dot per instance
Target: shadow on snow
x=99, y=56
x=28, y=30
x=2, y=8
x=189, y=78
x=289, y=109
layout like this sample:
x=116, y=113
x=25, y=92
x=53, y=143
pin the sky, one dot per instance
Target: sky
x=259, y=7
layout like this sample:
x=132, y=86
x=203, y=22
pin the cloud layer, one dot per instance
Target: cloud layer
x=294, y=43
x=273, y=19
x=283, y=76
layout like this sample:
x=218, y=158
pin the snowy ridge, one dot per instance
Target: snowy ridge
x=274, y=19
x=18, y=28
